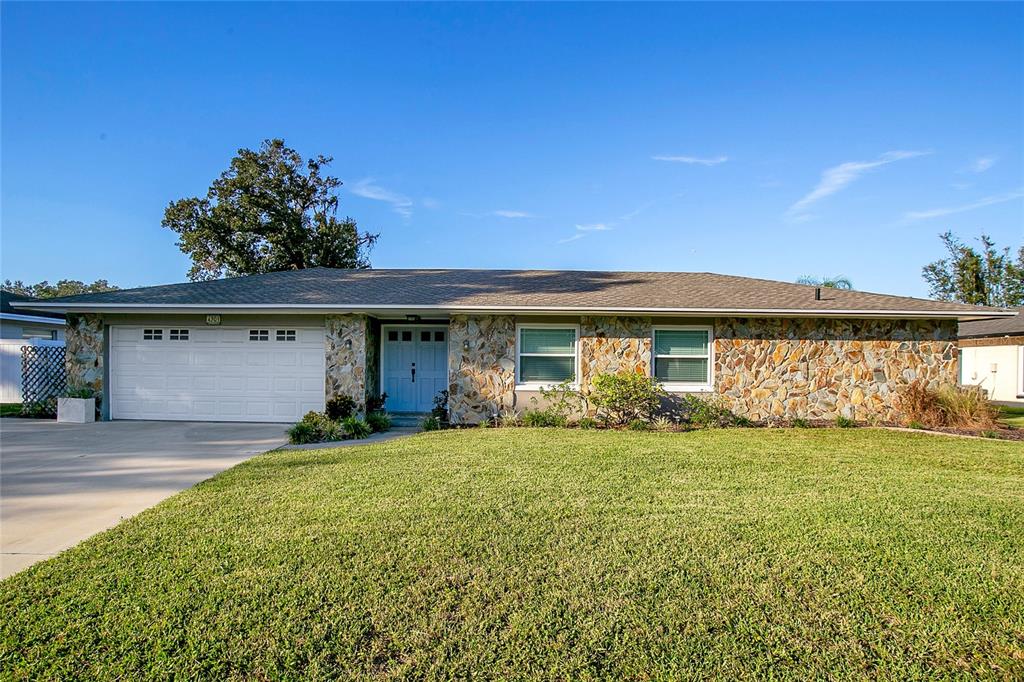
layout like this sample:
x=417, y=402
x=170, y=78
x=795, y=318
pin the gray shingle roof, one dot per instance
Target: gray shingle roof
x=8, y=297
x=513, y=289
x=999, y=326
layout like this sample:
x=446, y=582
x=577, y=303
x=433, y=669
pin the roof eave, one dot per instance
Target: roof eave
x=396, y=309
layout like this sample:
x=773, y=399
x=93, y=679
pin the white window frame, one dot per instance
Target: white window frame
x=676, y=387
x=259, y=335
x=178, y=335
x=153, y=334
x=537, y=385
x=286, y=335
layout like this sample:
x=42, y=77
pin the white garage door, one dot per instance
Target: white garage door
x=216, y=373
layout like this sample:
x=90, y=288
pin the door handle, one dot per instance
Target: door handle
x=414, y=372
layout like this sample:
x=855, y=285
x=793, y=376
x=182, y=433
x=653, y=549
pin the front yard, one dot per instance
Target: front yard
x=554, y=554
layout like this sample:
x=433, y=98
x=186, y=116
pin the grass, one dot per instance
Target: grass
x=10, y=409
x=1012, y=416
x=541, y=553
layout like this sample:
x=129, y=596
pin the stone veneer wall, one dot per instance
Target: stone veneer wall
x=821, y=368
x=609, y=345
x=481, y=380
x=83, y=353
x=347, y=366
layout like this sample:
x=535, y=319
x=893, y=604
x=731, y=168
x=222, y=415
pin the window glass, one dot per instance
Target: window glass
x=406, y=336
x=178, y=335
x=392, y=335
x=547, y=354
x=438, y=336
x=152, y=334
x=424, y=336
x=285, y=334
x=682, y=356
x=259, y=334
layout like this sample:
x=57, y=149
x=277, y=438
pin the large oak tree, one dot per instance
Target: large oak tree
x=268, y=211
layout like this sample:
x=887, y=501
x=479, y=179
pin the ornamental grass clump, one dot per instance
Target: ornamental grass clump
x=948, y=406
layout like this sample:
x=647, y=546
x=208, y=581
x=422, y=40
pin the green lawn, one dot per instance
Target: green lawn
x=10, y=409
x=1014, y=416
x=554, y=554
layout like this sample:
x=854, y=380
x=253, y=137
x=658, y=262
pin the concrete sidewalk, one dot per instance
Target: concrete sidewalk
x=61, y=483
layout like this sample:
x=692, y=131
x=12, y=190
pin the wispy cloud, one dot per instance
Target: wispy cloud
x=911, y=216
x=578, y=235
x=512, y=214
x=836, y=178
x=594, y=227
x=982, y=164
x=400, y=204
x=693, y=160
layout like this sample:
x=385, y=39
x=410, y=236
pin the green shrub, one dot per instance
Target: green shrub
x=639, y=425
x=542, y=418
x=356, y=428
x=587, y=423
x=663, y=423
x=303, y=432
x=376, y=404
x=440, y=409
x=431, y=423
x=378, y=421
x=914, y=424
x=844, y=422
x=709, y=412
x=626, y=397
x=562, y=401
x=83, y=393
x=800, y=423
x=989, y=433
x=340, y=407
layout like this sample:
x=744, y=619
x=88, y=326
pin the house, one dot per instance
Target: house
x=28, y=324
x=273, y=346
x=992, y=356
x=19, y=328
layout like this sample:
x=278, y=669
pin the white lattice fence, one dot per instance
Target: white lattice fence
x=43, y=379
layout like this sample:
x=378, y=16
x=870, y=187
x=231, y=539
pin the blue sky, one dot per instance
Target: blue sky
x=761, y=140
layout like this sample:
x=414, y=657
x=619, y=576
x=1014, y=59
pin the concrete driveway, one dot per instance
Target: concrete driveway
x=61, y=483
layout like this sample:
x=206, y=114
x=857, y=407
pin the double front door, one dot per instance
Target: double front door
x=414, y=366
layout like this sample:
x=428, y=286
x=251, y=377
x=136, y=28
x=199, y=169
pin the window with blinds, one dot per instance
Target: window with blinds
x=682, y=357
x=547, y=355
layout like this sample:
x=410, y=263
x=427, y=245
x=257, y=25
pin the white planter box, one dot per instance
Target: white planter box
x=76, y=410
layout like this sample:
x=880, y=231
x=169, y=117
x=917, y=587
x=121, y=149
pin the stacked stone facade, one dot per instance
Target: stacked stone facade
x=84, y=342
x=481, y=366
x=609, y=345
x=348, y=345
x=821, y=368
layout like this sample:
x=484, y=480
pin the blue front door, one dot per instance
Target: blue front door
x=414, y=366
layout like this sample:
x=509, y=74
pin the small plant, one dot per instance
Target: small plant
x=540, y=418
x=562, y=400
x=440, y=409
x=587, y=423
x=639, y=425
x=914, y=424
x=315, y=427
x=340, y=407
x=431, y=423
x=663, y=423
x=376, y=404
x=378, y=421
x=82, y=393
x=355, y=428
x=508, y=417
x=800, y=423
x=301, y=433
x=710, y=412
x=626, y=397
x=844, y=422
x=989, y=433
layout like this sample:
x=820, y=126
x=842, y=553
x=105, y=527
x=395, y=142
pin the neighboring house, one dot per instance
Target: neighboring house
x=273, y=346
x=992, y=356
x=28, y=324
x=19, y=328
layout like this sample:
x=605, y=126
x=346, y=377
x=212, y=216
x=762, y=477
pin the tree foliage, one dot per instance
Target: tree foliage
x=836, y=282
x=268, y=211
x=64, y=287
x=990, y=276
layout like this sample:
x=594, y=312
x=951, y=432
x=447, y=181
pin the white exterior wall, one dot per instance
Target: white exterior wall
x=1005, y=382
